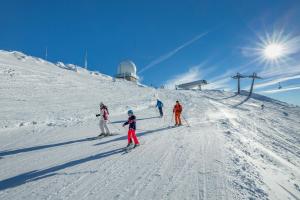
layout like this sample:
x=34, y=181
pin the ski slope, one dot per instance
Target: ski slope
x=232, y=150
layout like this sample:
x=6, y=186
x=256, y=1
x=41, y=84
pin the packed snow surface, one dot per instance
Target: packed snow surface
x=233, y=149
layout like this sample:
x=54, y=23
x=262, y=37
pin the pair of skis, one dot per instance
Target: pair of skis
x=176, y=126
x=126, y=149
x=130, y=148
x=187, y=123
x=102, y=136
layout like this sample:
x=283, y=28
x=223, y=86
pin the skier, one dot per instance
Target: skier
x=103, y=120
x=160, y=105
x=177, y=111
x=262, y=106
x=131, y=130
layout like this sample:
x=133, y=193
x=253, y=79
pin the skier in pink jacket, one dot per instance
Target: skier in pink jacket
x=103, y=120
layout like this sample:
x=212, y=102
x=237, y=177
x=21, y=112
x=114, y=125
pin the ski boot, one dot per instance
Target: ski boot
x=129, y=144
x=101, y=135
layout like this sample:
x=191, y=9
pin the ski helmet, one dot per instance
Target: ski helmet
x=130, y=112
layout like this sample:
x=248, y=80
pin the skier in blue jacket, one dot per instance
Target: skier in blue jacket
x=160, y=105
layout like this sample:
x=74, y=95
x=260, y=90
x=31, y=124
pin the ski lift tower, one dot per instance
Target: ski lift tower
x=238, y=76
x=254, y=76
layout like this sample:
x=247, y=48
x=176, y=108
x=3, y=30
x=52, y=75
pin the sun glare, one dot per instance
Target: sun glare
x=274, y=51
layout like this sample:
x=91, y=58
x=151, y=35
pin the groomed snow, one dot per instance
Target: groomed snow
x=233, y=149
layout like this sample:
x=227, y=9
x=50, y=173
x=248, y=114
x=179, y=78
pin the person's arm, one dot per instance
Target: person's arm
x=99, y=115
x=126, y=123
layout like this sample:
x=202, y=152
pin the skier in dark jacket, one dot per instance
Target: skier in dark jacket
x=131, y=130
x=160, y=105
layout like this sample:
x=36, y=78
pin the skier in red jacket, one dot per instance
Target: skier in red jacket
x=177, y=111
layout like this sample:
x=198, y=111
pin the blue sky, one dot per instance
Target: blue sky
x=170, y=41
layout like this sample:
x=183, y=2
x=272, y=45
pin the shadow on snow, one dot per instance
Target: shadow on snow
x=139, y=119
x=40, y=147
x=52, y=171
x=28, y=149
x=40, y=174
x=138, y=134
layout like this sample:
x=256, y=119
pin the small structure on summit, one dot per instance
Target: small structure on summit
x=127, y=71
x=191, y=85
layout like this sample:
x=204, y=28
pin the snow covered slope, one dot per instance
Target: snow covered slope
x=39, y=92
x=233, y=149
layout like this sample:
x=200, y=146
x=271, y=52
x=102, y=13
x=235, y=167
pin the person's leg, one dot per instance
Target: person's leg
x=101, y=126
x=176, y=119
x=160, y=112
x=179, y=119
x=106, y=128
x=129, y=136
x=134, y=137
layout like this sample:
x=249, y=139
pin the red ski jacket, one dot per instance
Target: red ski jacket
x=177, y=108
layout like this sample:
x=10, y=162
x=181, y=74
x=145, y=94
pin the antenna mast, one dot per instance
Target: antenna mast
x=46, y=53
x=85, y=60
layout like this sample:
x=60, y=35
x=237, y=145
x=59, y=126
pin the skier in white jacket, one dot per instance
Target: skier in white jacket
x=103, y=120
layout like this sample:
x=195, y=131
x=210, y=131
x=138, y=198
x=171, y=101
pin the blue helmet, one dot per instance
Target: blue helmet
x=130, y=112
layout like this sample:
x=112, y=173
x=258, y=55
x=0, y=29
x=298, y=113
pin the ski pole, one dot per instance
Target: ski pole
x=113, y=125
x=186, y=121
x=172, y=118
x=155, y=109
x=165, y=117
x=138, y=129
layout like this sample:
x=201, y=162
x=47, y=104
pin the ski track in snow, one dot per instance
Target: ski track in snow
x=232, y=150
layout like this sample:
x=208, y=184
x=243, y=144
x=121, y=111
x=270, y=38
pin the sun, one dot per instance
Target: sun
x=274, y=51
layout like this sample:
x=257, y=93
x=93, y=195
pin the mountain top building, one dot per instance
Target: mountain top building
x=127, y=71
